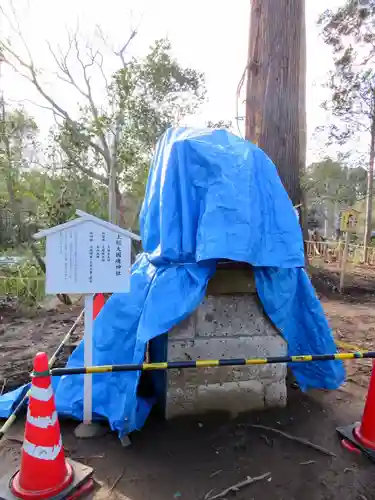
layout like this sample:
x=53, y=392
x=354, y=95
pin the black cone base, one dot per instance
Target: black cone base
x=82, y=474
x=347, y=433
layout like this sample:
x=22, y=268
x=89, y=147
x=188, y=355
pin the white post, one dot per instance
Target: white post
x=344, y=260
x=87, y=355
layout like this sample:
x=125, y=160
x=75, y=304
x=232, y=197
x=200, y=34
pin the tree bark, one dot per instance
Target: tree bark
x=112, y=201
x=276, y=87
x=370, y=185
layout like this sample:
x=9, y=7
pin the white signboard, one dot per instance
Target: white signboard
x=87, y=258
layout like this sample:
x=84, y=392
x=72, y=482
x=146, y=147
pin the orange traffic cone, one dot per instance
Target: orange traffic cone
x=361, y=436
x=99, y=302
x=44, y=472
x=365, y=433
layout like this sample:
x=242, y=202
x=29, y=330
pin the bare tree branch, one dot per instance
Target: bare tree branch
x=48, y=108
x=89, y=96
x=62, y=64
x=63, y=113
x=103, y=38
x=32, y=76
x=99, y=64
x=123, y=49
x=87, y=171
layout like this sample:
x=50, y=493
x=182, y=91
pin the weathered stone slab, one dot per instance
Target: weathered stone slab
x=230, y=323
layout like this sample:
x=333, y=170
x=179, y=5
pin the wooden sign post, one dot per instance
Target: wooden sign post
x=85, y=256
x=348, y=224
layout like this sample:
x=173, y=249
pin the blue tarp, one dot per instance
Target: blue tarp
x=210, y=195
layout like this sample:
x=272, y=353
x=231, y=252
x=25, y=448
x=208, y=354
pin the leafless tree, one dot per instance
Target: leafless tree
x=101, y=142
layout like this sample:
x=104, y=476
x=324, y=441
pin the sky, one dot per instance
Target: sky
x=207, y=35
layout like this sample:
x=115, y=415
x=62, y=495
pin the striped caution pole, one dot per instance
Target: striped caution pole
x=19, y=408
x=209, y=363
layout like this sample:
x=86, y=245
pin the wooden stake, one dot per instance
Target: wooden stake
x=344, y=260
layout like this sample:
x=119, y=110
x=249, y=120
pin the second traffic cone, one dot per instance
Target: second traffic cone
x=99, y=302
x=43, y=472
x=361, y=436
x=365, y=433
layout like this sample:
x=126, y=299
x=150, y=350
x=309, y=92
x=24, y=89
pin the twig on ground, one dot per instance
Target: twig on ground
x=308, y=462
x=3, y=386
x=207, y=495
x=90, y=457
x=115, y=483
x=348, y=469
x=294, y=438
x=216, y=473
x=238, y=486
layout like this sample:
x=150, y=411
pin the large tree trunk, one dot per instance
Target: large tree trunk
x=276, y=86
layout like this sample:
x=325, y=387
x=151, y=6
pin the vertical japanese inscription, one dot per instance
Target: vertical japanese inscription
x=103, y=247
x=91, y=255
x=71, y=256
x=65, y=251
x=75, y=253
x=118, y=260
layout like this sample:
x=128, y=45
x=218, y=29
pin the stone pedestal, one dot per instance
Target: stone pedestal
x=229, y=324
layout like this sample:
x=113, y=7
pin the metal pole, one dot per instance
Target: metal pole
x=344, y=261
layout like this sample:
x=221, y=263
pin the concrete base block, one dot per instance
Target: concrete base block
x=232, y=397
x=89, y=431
x=225, y=326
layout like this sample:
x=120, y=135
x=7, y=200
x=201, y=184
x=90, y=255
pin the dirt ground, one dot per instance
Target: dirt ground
x=197, y=458
x=24, y=333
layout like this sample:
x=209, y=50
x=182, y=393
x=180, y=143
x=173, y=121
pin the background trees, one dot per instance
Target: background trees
x=350, y=32
x=120, y=117
x=331, y=186
x=97, y=152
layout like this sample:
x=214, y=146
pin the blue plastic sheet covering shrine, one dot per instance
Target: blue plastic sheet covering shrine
x=210, y=195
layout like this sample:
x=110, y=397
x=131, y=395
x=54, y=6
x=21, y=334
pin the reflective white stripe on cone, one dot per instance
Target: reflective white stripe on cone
x=41, y=394
x=42, y=422
x=42, y=452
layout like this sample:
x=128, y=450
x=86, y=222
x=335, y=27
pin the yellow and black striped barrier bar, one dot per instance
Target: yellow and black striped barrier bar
x=209, y=363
